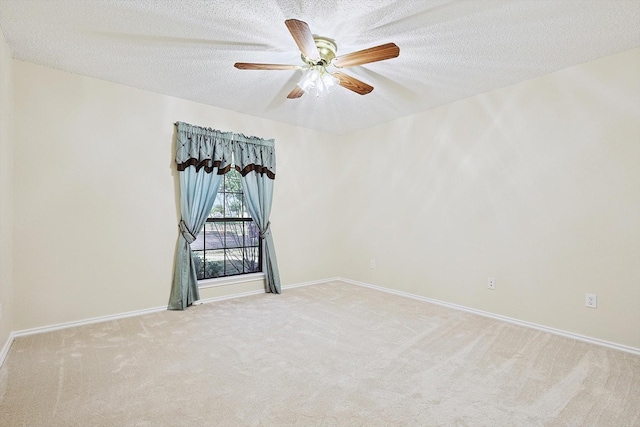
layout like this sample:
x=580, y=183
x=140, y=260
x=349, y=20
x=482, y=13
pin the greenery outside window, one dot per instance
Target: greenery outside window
x=229, y=242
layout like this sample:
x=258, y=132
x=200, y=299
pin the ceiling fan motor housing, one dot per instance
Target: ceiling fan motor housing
x=327, y=49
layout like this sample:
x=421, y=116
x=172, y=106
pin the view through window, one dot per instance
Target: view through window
x=229, y=243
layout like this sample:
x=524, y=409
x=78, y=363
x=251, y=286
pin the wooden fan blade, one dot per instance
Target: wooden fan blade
x=297, y=92
x=303, y=37
x=254, y=66
x=353, y=84
x=373, y=54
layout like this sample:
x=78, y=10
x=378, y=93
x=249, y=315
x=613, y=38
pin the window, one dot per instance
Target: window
x=229, y=243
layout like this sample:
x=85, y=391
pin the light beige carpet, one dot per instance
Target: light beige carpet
x=323, y=355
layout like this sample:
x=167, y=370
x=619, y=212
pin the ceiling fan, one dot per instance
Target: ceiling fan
x=318, y=53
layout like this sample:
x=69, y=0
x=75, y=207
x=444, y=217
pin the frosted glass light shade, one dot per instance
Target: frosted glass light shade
x=318, y=82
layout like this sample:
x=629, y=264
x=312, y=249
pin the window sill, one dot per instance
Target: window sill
x=233, y=280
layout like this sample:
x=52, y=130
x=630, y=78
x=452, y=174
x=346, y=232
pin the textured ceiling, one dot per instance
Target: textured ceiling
x=449, y=50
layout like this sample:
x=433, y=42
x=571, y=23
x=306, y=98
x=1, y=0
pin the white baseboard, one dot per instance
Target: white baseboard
x=230, y=280
x=260, y=291
x=230, y=296
x=526, y=324
x=82, y=322
x=72, y=324
x=6, y=347
x=314, y=282
x=39, y=330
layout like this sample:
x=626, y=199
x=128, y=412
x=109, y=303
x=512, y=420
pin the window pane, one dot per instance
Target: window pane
x=233, y=183
x=252, y=237
x=198, y=261
x=217, y=211
x=214, y=264
x=251, y=260
x=234, y=235
x=244, y=212
x=233, y=205
x=234, y=261
x=198, y=244
x=214, y=235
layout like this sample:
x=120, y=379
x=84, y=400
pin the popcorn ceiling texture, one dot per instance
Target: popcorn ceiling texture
x=449, y=50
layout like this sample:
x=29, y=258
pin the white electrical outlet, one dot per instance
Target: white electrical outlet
x=372, y=263
x=591, y=300
x=491, y=283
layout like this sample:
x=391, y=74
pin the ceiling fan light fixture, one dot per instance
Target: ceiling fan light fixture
x=317, y=81
x=318, y=53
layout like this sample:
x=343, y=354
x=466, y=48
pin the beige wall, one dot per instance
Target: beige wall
x=536, y=184
x=6, y=189
x=96, y=213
